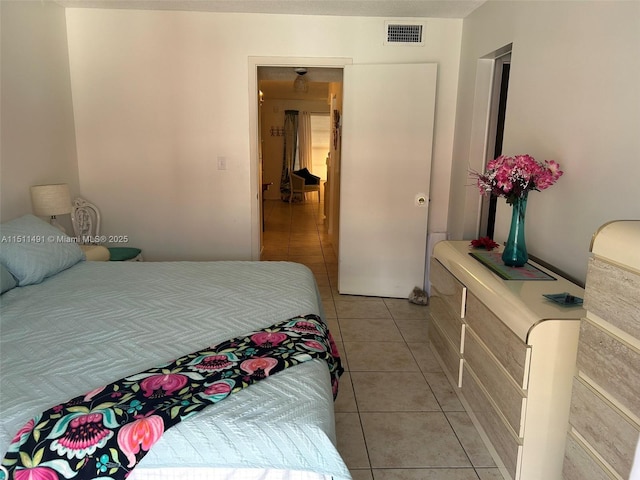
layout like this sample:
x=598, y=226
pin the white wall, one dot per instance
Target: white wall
x=159, y=95
x=38, y=138
x=573, y=97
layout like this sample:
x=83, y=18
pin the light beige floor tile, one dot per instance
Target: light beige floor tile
x=424, y=356
x=314, y=262
x=425, y=474
x=332, y=270
x=401, y=308
x=346, y=400
x=380, y=357
x=411, y=440
x=361, y=307
x=306, y=233
x=328, y=306
x=396, y=391
x=489, y=474
x=386, y=374
x=330, y=256
x=343, y=356
x=361, y=474
x=306, y=250
x=274, y=257
x=369, y=330
x=323, y=281
x=276, y=240
x=413, y=329
x=351, y=440
x=470, y=439
x=325, y=292
x=334, y=328
x=444, y=392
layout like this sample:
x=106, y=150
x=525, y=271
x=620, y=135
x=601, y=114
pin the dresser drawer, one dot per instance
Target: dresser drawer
x=603, y=427
x=450, y=324
x=448, y=352
x=508, y=397
x=502, y=342
x=613, y=293
x=506, y=445
x=448, y=288
x=610, y=363
x=579, y=464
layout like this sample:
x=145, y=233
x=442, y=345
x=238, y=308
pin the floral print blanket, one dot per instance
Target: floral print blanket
x=106, y=432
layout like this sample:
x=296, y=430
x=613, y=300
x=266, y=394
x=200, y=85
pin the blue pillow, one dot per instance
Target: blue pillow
x=7, y=282
x=32, y=249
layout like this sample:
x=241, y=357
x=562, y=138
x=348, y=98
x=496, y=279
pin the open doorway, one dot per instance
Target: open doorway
x=320, y=143
x=315, y=103
x=495, y=134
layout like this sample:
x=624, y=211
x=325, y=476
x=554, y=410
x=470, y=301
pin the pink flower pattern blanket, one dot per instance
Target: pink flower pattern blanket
x=106, y=432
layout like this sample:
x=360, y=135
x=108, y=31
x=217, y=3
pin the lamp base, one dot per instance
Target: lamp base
x=53, y=221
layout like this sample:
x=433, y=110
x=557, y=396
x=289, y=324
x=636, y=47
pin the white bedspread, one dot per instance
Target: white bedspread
x=100, y=321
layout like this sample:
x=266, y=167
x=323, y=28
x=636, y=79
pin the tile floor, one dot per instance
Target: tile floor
x=397, y=417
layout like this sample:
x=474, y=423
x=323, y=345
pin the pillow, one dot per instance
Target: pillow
x=32, y=250
x=7, y=282
x=309, y=178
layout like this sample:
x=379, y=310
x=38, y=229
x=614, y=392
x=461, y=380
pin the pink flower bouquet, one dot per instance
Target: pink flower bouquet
x=514, y=177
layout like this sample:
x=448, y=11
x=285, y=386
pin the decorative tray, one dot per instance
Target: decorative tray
x=565, y=299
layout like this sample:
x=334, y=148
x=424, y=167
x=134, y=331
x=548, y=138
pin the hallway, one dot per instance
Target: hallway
x=397, y=417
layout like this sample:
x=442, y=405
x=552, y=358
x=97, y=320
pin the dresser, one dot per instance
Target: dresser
x=510, y=355
x=605, y=405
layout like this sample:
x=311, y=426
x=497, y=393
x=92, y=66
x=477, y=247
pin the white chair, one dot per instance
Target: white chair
x=299, y=185
x=85, y=218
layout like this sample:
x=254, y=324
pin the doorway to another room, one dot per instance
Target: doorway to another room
x=379, y=166
x=495, y=132
x=295, y=132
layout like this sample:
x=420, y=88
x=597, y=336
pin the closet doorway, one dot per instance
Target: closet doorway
x=495, y=132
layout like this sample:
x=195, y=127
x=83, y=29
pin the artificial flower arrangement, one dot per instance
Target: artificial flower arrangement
x=484, y=242
x=514, y=177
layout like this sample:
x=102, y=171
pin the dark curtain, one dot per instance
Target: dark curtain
x=289, y=153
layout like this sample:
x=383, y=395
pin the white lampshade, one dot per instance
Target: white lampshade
x=51, y=200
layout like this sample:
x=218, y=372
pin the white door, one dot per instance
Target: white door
x=387, y=131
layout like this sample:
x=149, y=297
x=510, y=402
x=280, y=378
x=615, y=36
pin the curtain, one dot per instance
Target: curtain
x=304, y=141
x=289, y=152
x=305, y=151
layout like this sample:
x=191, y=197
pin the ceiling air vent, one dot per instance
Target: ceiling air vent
x=401, y=33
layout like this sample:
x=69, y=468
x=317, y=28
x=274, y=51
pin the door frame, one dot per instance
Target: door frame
x=254, y=130
x=481, y=141
x=495, y=133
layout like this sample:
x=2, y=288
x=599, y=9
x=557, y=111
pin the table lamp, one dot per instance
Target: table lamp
x=51, y=200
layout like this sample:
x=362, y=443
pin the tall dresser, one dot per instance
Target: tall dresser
x=510, y=354
x=605, y=405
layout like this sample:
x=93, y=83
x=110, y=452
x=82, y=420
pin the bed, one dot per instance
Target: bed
x=74, y=325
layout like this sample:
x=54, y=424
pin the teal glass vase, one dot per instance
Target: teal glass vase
x=515, y=251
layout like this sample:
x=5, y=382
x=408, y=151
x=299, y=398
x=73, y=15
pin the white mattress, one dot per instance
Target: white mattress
x=100, y=321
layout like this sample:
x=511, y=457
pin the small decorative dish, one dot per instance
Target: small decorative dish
x=565, y=299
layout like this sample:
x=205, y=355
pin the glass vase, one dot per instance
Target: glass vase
x=515, y=251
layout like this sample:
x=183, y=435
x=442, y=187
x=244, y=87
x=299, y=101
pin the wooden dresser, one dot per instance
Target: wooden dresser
x=510, y=354
x=605, y=405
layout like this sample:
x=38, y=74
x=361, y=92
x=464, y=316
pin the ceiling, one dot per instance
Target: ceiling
x=277, y=82
x=273, y=89
x=365, y=8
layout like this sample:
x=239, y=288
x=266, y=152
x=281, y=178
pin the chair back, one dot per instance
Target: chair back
x=297, y=183
x=85, y=218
